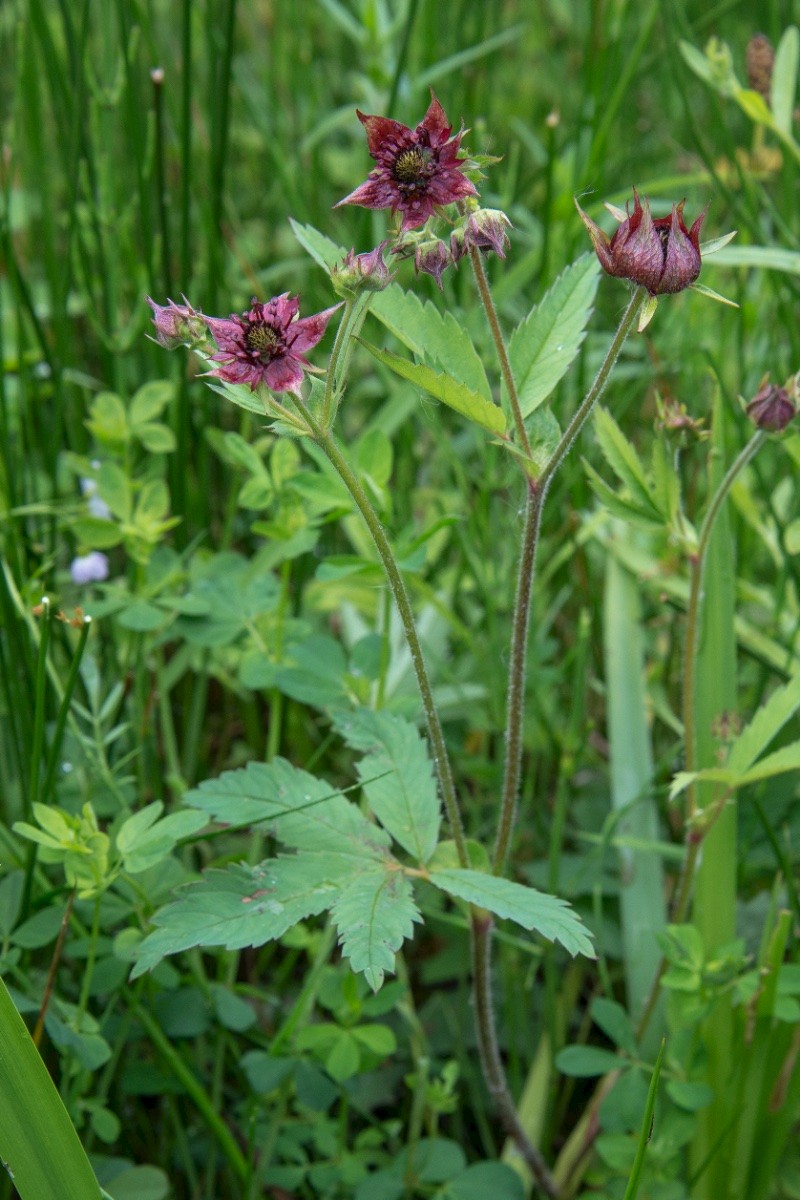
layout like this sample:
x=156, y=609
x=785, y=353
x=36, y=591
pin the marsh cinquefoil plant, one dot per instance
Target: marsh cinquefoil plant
x=363, y=863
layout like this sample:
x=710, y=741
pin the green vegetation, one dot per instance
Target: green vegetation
x=342, y=853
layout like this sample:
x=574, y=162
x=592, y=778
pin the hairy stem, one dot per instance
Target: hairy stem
x=537, y=494
x=441, y=759
x=500, y=345
x=491, y=1060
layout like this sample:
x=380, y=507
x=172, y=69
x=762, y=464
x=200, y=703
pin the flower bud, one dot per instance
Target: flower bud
x=485, y=229
x=772, y=408
x=177, y=324
x=362, y=272
x=661, y=255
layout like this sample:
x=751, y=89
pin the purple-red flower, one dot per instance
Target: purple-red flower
x=661, y=255
x=418, y=169
x=772, y=408
x=267, y=344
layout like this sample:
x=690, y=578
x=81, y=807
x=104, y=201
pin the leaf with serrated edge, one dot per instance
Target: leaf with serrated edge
x=548, y=915
x=544, y=345
x=374, y=915
x=397, y=778
x=245, y=906
x=623, y=459
x=765, y=725
x=300, y=809
x=443, y=387
x=432, y=335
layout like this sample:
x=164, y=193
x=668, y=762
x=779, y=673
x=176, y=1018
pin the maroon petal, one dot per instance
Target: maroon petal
x=600, y=241
x=682, y=260
x=384, y=134
x=378, y=191
x=283, y=375
x=435, y=123
x=227, y=333
x=306, y=332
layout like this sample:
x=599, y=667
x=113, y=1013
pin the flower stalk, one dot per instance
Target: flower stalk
x=441, y=758
x=537, y=494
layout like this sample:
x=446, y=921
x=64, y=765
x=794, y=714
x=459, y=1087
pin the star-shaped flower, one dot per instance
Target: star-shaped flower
x=418, y=169
x=267, y=344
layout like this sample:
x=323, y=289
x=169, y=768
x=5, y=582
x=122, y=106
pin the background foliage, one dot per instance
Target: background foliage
x=161, y=148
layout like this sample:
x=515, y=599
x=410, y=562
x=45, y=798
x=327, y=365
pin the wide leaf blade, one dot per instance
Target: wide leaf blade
x=374, y=915
x=245, y=906
x=544, y=345
x=548, y=915
x=38, y=1144
x=397, y=778
x=301, y=810
x=445, y=388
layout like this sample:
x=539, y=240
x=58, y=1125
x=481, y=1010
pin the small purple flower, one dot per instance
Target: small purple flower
x=177, y=324
x=89, y=568
x=267, y=343
x=662, y=255
x=418, y=169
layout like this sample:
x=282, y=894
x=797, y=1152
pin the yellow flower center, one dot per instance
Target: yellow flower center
x=409, y=167
x=263, y=340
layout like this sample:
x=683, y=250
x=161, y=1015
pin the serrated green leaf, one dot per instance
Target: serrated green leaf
x=783, y=760
x=245, y=906
x=548, y=915
x=321, y=248
x=443, y=387
x=298, y=808
x=234, y=594
x=621, y=456
x=765, y=725
x=544, y=345
x=432, y=335
x=619, y=506
x=397, y=776
x=374, y=915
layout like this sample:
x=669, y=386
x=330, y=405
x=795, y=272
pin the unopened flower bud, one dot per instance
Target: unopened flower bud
x=772, y=408
x=760, y=64
x=177, y=324
x=485, y=229
x=432, y=258
x=362, y=272
x=661, y=255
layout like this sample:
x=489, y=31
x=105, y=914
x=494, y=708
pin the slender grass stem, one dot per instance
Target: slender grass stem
x=444, y=774
x=694, y=833
x=693, y=608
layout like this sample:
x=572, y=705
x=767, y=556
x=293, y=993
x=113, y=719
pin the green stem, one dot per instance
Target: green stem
x=342, y=337
x=694, y=836
x=225, y=1139
x=502, y=353
x=491, y=1060
x=537, y=494
x=693, y=609
x=441, y=759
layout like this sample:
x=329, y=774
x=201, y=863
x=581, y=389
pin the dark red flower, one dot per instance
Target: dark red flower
x=662, y=255
x=267, y=344
x=418, y=169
